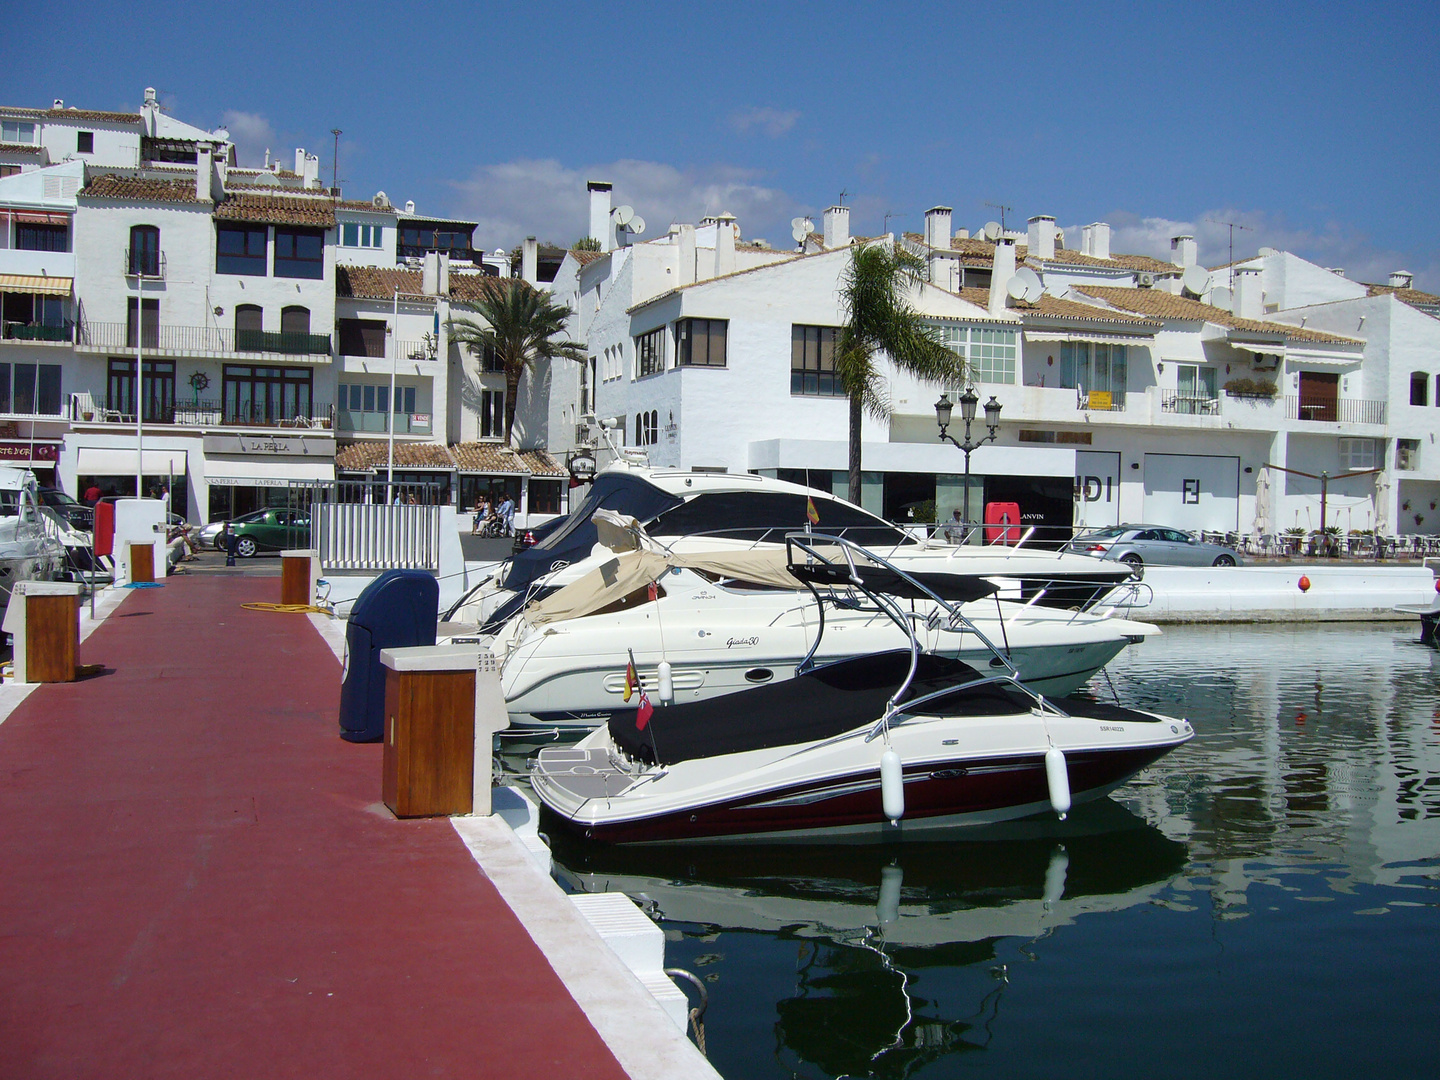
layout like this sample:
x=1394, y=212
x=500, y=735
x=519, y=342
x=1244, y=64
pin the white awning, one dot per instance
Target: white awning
x=265, y=472
x=1098, y=337
x=1296, y=361
x=112, y=461
x=34, y=283
x=1262, y=348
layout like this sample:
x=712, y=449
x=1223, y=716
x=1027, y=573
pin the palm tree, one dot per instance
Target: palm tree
x=879, y=318
x=521, y=325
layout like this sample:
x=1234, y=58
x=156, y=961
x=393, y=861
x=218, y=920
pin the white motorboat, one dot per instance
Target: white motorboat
x=727, y=621
x=30, y=549
x=855, y=748
x=708, y=511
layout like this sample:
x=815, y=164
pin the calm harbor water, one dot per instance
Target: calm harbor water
x=1263, y=902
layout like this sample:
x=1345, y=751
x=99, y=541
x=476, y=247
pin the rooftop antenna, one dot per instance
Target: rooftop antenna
x=1002, y=208
x=843, y=194
x=888, y=215
x=1233, y=226
x=335, y=161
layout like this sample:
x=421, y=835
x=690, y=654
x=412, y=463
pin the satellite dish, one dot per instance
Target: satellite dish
x=798, y=230
x=1196, y=280
x=1220, y=298
x=637, y=225
x=1031, y=286
x=1016, y=288
x=992, y=231
x=624, y=215
x=797, y=223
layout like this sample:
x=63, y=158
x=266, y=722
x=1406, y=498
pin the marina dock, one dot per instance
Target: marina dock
x=200, y=879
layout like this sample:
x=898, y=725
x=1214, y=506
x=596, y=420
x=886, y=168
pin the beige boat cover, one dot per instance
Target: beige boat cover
x=632, y=570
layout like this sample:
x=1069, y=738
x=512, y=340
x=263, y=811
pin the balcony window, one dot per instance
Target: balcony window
x=41, y=236
x=240, y=249
x=299, y=253
x=1319, y=396
x=650, y=353
x=1195, y=390
x=30, y=389
x=1419, y=388
x=362, y=337
x=362, y=236
x=295, y=320
x=492, y=414
x=265, y=395
x=812, y=361
x=419, y=239
x=149, y=327
x=159, y=389
x=14, y=131
x=35, y=317
x=1097, y=372
x=700, y=342
x=144, y=251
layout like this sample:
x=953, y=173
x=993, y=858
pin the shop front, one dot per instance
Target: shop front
x=40, y=456
x=111, y=469
x=244, y=473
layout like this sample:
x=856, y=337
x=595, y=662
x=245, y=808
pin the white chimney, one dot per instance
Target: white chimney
x=1401, y=279
x=1184, y=252
x=530, y=261
x=299, y=161
x=310, y=171
x=149, y=110
x=430, y=274
x=837, y=227
x=1040, y=237
x=600, y=228
x=59, y=103
x=725, y=231
x=444, y=267
x=685, y=245
x=203, y=169
x=409, y=206
x=1248, y=296
x=1095, y=240
x=1003, y=270
x=937, y=227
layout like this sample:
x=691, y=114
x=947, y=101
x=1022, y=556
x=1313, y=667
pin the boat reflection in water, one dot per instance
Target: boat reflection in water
x=866, y=924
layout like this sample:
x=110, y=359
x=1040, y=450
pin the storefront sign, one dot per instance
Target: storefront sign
x=420, y=418
x=288, y=445
x=27, y=453
x=246, y=481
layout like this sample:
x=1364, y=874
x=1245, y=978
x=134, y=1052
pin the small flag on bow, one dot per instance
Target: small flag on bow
x=811, y=514
x=632, y=678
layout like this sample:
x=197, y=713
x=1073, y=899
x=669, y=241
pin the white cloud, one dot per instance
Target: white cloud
x=544, y=198
x=773, y=122
x=1335, y=245
x=252, y=136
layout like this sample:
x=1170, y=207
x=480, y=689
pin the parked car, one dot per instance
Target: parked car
x=1153, y=544
x=76, y=513
x=271, y=529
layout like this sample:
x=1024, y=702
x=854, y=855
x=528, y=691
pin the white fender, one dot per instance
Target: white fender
x=667, y=683
x=1059, y=778
x=892, y=786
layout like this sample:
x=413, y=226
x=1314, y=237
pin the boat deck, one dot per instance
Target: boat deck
x=199, y=878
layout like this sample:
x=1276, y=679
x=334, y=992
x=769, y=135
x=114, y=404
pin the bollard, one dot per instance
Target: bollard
x=44, y=617
x=299, y=571
x=231, y=540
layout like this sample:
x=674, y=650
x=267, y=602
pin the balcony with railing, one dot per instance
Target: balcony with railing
x=146, y=264
x=1334, y=410
x=32, y=333
x=1190, y=404
x=373, y=422
x=199, y=340
x=1099, y=401
x=202, y=412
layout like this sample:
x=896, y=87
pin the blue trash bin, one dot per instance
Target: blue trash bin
x=397, y=610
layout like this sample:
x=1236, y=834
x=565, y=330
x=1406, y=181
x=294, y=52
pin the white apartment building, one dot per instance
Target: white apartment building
x=281, y=329
x=1131, y=389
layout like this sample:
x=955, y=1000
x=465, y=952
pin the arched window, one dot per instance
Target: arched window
x=1419, y=388
x=295, y=320
x=249, y=327
x=144, y=251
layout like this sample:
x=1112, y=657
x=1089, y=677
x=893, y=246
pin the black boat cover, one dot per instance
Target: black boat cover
x=960, y=588
x=819, y=704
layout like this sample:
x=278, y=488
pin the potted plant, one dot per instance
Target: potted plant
x=1251, y=388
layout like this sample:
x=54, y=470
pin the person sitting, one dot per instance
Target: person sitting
x=482, y=515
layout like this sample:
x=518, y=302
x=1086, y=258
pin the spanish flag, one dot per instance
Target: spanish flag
x=811, y=514
x=632, y=678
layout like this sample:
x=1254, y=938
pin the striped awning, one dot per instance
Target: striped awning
x=34, y=283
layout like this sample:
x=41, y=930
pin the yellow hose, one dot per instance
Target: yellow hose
x=289, y=609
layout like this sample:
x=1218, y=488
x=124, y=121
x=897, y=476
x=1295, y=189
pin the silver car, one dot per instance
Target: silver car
x=1157, y=545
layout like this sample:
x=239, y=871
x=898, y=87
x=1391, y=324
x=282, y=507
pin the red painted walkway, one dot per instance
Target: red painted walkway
x=197, y=878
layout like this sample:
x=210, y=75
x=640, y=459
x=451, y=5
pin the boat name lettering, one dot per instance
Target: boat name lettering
x=1112, y=727
x=743, y=642
x=703, y=594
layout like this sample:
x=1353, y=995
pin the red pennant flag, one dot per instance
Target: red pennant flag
x=644, y=712
x=811, y=514
x=654, y=591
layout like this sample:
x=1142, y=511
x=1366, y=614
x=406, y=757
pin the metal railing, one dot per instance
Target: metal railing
x=1334, y=410
x=198, y=340
x=370, y=525
x=214, y=413
x=1190, y=404
x=146, y=264
x=29, y=332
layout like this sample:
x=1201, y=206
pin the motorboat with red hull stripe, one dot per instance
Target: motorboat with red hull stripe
x=849, y=748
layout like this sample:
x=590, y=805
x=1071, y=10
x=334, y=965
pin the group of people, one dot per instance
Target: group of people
x=493, y=519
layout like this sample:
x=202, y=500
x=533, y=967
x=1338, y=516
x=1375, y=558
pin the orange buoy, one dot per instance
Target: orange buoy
x=1304, y=583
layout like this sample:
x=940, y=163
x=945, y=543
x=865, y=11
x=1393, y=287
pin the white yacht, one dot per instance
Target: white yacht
x=30, y=548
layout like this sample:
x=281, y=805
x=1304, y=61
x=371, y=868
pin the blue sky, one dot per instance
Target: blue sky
x=1314, y=124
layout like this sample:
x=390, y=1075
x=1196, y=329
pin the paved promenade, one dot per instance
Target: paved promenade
x=197, y=877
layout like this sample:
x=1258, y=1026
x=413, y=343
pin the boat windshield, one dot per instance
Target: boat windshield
x=769, y=515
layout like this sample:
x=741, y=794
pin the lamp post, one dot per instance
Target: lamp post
x=968, y=400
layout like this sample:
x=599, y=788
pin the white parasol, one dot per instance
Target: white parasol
x=1382, y=503
x=1262, y=502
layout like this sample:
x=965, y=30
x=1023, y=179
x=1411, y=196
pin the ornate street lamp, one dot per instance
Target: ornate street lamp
x=968, y=400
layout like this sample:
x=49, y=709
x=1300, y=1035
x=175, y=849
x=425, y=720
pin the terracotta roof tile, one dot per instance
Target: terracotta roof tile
x=139, y=188
x=21, y=148
x=1052, y=307
x=487, y=457
x=470, y=287
x=585, y=258
x=1163, y=305
x=381, y=282
x=92, y=115
x=278, y=210
x=1410, y=296
x=362, y=204
x=371, y=454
